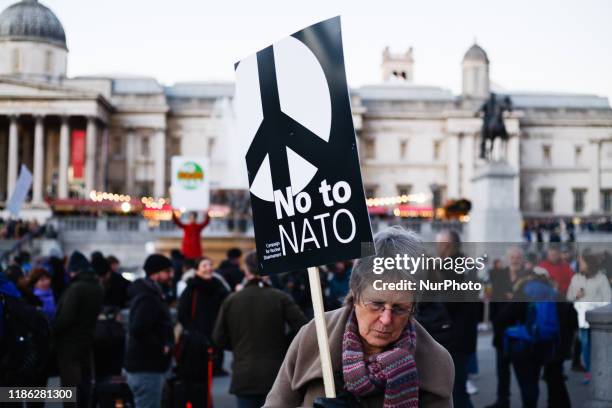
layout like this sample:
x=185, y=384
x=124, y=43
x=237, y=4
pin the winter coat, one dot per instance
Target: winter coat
x=191, y=245
x=252, y=323
x=48, y=302
x=300, y=381
x=516, y=313
x=501, y=285
x=7, y=288
x=149, y=329
x=597, y=293
x=209, y=295
x=560, y=272
x=76, y=315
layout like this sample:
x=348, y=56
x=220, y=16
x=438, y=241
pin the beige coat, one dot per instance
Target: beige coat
x=300, y=381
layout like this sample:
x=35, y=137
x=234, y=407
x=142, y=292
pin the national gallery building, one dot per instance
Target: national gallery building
x=118, y=134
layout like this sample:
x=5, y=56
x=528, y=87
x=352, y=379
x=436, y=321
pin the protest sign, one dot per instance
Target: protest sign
x=305, y=183
x=24, y=182
x=190, y=183
x=294, y=115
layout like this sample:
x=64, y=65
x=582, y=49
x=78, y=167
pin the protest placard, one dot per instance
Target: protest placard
x=190, y=183
x=19, y=194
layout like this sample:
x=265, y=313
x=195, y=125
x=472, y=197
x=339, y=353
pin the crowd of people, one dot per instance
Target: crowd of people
x=185, y=311
x=17, y=228
x=563, y=229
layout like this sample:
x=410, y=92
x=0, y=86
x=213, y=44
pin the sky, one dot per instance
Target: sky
x=535, y=45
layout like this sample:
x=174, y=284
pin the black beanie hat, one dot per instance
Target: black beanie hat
x=155, y=263
x=100, y=266
x=78, y=263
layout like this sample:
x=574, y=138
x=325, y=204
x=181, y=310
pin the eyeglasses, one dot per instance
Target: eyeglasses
x=379, y=307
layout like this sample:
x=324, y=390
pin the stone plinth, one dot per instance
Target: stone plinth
x=494, y=216
x=600, y=322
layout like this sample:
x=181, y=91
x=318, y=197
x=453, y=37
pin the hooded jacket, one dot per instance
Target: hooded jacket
x=149, y=329
x=300, y=378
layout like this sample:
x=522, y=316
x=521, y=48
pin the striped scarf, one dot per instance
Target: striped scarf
x=393, y=371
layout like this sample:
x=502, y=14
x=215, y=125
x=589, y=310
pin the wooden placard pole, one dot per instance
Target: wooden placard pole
x=319, y=317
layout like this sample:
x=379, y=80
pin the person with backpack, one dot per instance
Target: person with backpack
x=150, y=337
x=74, y=325
x=532, y=337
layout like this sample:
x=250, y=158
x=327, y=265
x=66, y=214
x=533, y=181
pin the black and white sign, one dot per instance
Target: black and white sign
x=294, y=115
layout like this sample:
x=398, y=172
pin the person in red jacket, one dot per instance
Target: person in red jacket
x=191, y=246
x=558, y=270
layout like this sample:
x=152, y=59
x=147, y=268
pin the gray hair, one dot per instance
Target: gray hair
x=388, y=243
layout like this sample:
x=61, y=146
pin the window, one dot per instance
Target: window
x=606, y=200
x=579, y=194
x=403, y=189
x=546, y=156
x=16, y=61
x=368, y=148
x=49, y=62
x=546, y=199
x=370, y=191
x=145, y=146
x=211, y=146
x=143, y=188
x=116, y=145
x=436, y=150
x=437, y=196
x=403, y=149
x=578, y=155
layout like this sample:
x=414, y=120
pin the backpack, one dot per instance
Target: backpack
x=109, y=345
x=26, y=341
x=540, y=333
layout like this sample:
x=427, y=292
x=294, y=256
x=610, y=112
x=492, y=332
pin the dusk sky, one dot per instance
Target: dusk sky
x=560, y=46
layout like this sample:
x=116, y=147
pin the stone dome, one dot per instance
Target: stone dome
x=476, y=53
x=29, y=20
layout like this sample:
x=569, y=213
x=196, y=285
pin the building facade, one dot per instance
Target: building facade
x=118, y=134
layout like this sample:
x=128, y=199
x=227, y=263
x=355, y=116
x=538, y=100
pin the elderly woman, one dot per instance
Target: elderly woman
x=381, y=356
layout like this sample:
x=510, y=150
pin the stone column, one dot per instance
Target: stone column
x=468, y=169
x=514, y=158
x=452, y=161
x=90, y=155
x=159, y=157
x=594, y=177
x=129, y=161
x=39, y=162
x=13, y=156
x=600, y=322
x=64, y=156
x=103, y=173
